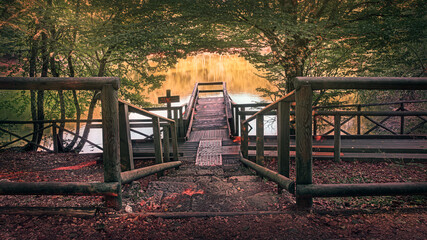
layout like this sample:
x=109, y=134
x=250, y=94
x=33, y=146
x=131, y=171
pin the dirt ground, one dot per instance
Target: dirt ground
x=397, y=217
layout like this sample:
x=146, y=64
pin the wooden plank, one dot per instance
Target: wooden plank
x=290, y=97
x=111, y=141
x=136, y=174
x=209, y=83
x=174, y=142
x=283, y=138
x=166, y=151
x=284, y=182
x=260, y=140
x=136, y=109
x=157, y=140
x=337, y=137
x=110, y=189
x=126, y=152
x=58, y=83
x=169, y=99
x=80, y=212
x=369, y=83
x=364, y=189
x=244, y=139
x=304, y=142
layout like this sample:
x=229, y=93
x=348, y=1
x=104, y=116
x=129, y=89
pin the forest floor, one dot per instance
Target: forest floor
x=397, y=217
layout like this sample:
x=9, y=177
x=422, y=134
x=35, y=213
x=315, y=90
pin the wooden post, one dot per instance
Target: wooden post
x=283, y=138
x=314, y=126
x=337, y=137
x=181, y=129
x=126, y=151
x=402, y=119
x=243, y=117
x=169, y=104
x=236, y=120
x=174, y=142
x=111, y=142
x=244, y=144
x=359, y=108
x=260, y=139
x=175, y=117
x=304, y=142
x=54, y=138
x=166, y=151
x=157, y=140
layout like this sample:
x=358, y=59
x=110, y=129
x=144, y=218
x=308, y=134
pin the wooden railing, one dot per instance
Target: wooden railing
x=111, y=187
x=283, y=144
x=116, y=127
x=189, y=111
x=400, y=111
x=57, y=145
x=161, y=148
x=305, y=189
x=191, y=106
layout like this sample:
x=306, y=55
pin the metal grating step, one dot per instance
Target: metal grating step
x=209, y=153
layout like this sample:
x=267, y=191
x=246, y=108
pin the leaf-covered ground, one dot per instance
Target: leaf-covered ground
x=400, y=217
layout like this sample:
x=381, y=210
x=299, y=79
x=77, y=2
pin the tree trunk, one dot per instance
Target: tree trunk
x=96, y=95
x=92, y=105
x=72, y=74
x=32, y=73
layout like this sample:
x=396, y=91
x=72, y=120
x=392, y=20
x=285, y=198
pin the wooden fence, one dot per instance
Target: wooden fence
x=111, y=187
x=283, y=142
x=117, y=146
x=305, y=189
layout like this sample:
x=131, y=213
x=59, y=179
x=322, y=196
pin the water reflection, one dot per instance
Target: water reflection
x=239, y=75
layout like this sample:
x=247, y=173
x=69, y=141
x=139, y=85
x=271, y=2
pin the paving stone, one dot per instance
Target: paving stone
x=245, y=178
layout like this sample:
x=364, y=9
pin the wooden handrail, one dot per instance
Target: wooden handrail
x=368, y=83
x=191, y=102
x=136, y=109
x=370, y=104
x=58, y=83
x=290, y=97
x=210, y=83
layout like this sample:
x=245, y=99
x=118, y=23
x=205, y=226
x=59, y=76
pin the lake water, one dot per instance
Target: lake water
x=241, y=77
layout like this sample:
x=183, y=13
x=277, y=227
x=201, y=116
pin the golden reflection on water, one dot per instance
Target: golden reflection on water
x=239, y=74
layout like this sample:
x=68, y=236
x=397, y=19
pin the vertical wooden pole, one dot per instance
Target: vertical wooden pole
x=169, y=104
x=175, y=118
x=260, y=139
x=55, y=138
x=283, y=138
x=157, y=140
x=359, y=108
x=111, y=142
x=181, y=129
x=304, y=142
x=158, y=151
x=402, y=119
x=337, y=137
x=126, y=151
x=314, y=126
x=243, y=117
x=166, y=151
x=174, y=142
x=244, y=144
x=236, y=120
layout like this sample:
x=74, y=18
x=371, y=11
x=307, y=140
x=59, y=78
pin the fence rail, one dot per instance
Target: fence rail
x=110, y=121
x=305, y=189
x=283, y=141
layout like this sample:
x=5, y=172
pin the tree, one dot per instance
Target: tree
x=290, y=38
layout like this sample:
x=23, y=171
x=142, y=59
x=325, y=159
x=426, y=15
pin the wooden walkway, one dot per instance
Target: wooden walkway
x=225, y=186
